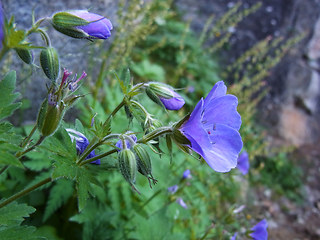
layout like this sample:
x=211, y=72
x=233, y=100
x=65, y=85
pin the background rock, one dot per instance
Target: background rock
x=291, y=110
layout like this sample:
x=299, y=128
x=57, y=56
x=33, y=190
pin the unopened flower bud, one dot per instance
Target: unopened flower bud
x=82, y=24
x=49, y=61
x=164, y=95
x=143, y=162
x=128, y=165
x=49, y=116
x=25, y=55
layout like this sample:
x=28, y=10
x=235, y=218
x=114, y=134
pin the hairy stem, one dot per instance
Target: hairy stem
x=98, y=157
x=24, y=192
x=20, y=154
x=27, y=139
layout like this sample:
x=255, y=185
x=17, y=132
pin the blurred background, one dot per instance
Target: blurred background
x=268, y=54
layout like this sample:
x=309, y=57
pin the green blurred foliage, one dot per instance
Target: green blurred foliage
x=94, y=202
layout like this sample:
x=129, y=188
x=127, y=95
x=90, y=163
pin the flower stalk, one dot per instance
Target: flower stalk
x=24, y=192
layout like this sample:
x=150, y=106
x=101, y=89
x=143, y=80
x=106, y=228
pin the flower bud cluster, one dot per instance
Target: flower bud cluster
x=58, y=100
x=133, y=158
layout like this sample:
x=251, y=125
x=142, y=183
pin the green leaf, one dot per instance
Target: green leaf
x=122, y=84
x=9, y=159
x=102, y=129
x=146, y=229
x=38, y=160
x=78, y=126
x=15, y=38
x=149, y=71
x=59, y=195
x=169, y=146
x=8, y=138
x=7, y=86
x=61, y=144
x=14, y=214
x=64, y=167
x=40, y=177
x=18, y=232
x=83, y=186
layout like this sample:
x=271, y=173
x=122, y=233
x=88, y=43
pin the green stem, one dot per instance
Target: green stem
x=24, y=192
x=3, y=169
x=89, y=149
x=20, y=154
x=45, y=37
x=35, y=26
x=154, y=134
x=116, y=110
x=27, y=139
x=98, y=157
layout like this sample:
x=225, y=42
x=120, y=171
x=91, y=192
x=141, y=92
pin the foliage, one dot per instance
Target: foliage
x=280, y=174
x=78, y=200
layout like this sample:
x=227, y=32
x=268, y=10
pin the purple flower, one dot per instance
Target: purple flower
x=99, y=26
x=181, y=203
x=174, y=103
x=243, y=163
x=127, y=141
x=234, y=237
x=186, y=174
x=81, y=143
x=260, y=231
x=173, y=189
x=164, y=95
x=213, y=129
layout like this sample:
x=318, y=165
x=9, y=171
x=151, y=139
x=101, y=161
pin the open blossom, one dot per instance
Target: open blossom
x=186, y=174
x=260, y=231
x=213, y=129
x=181, y=203
x=234, y=237
x=243, y=163
x=98, y=27
x=81, y=143
x=173, y=189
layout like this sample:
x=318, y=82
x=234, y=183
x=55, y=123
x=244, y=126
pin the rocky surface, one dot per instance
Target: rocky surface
x=291, y=109
x=75, y=51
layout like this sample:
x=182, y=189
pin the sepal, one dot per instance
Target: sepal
x=49, y=61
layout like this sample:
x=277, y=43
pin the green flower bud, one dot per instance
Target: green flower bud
x=49, y=117
x=143, y=159
x=128, y=165
x=66, y=23
x=143, y=162
x=25, y=55
x=49, y=61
